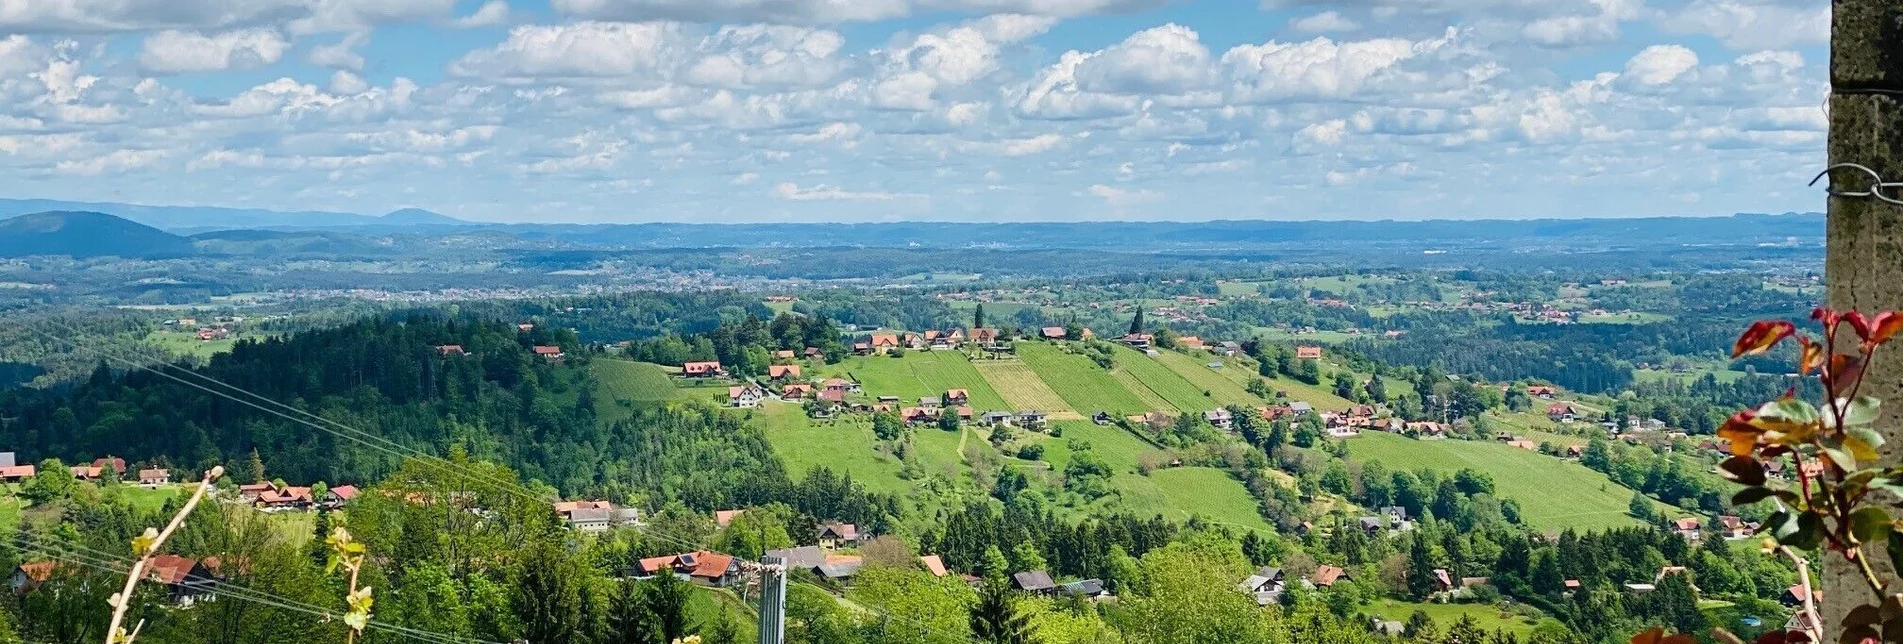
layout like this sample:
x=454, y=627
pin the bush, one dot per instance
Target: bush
x=1031, y=452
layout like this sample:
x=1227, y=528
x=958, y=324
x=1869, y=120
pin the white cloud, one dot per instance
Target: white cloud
x=1122, y=200
x=1660, y=64
x=583, y=49
x=792, y=192
x=344, y=82
x=1324, y=22
x=1170, y=59
x=1326, y=133
x=813, y=12
x=172, y=52
x=1315, y=69
x=114, y=161
x=356, y=15
x=283, y=94
x=341, y=54
x=490, y=14
x=1752, y=24
x=94, y=16
x=830, y=132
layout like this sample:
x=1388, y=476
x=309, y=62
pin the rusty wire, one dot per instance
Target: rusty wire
x=1876, y=189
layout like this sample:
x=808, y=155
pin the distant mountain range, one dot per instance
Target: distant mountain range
x=92, y=233
x=188, y=219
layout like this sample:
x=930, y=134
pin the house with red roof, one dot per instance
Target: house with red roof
x=450, y=350
x=548, y=352
x=799, y=391
x=1561, y=413
x=782, y=371
x=1308, y=353
x=834, y=535
x=1052, y=333
x=154, y=476
x=933, y=564
x=16, y=473
x=704, y=567
x=703, y=369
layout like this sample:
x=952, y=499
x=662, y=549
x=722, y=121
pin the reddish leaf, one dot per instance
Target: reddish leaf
x=1845, y=371
x=1742, y=434
x=1824, y=315
x=1657, y=636
x=1886, y=324
x=1762, y=335
x=1858, y=323
x=1812, y=356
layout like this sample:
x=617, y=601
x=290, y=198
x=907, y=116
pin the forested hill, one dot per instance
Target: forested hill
x=383, y=375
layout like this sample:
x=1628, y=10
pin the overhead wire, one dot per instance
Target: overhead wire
x=363, y=437
x=88, y=557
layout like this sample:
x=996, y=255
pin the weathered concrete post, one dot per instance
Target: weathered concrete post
x=1864, y=258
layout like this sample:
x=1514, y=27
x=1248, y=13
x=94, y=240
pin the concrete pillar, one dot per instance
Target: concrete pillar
x=1864, y=258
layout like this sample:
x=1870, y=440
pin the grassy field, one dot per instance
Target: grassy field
x=1660, y=375
x=1020, y=386
x=844, y=445
x=1233, y=289
x=639, y=382
x=918, y=374
x=1225, y=389
x=1552, y=493
x=1208, y=492
x=186, y=343
x=1087, y=388
x=1160, y=379
x=1488, y=617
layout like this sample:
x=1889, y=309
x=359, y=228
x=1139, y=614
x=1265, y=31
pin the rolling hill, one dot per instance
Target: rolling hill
x=87, y=234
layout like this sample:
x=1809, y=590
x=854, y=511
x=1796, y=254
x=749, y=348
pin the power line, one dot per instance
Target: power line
x=360, y=436
x=91, y=558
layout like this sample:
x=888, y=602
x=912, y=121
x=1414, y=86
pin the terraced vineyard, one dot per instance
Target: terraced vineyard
x=1224, y=389
x=1087, y=388
x=1022, y=389
x=1142, y=392
x=1165, y=383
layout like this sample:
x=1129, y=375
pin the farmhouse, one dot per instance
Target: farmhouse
x=16, y=473
x=187, y=580
x=783, y=371
x=153, y=477
x=1688, y=528
x=1308, y=353
x=1541, y=391
x=783, y=354
x=548, y=352
x=1562, y=412
x=1033, y=581
x=796, y=392
x=706, y=369
x=834, y=535
x=984, y=335
x=1265, y=585
x=703, y=567
x=882, y=342
x=1219, y=418
x=1190, y=342
x=1139, y=340
x=748, y=395
x=1326, y=575
x=1031, y=419
x=997, y=418
x=1052, y=333
x=957, y=397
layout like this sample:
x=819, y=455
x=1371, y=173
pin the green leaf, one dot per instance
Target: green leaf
x=1834, y=448
x=1894, y=546
x=1862, y=411
x=1810, y=532
x=1869, y=522
x=1792, y=410
x=1751, y=495
x=1743, y=469
x=1781, y=524
x=1863, y=443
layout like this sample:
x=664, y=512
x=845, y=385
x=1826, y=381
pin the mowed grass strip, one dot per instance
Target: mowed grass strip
x=1079, y=381
x=1021, y=387
x=1225, y=390
x=1553, y=494
x=1167, y=384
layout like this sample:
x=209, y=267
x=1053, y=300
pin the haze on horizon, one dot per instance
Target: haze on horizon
x=945, y=110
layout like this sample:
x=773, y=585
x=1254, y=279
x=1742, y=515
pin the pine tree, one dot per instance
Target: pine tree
x=996, y=620
x=1641, y=507
x=255, y=467
x=978, y=317
x=1136, y=323
x=320, y=531
x=1421, y=581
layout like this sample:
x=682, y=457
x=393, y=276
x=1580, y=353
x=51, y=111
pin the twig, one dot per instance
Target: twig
x=123, y=601
x=1815, y=624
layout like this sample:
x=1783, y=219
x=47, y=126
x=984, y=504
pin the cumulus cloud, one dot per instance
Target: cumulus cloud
x=341, y=54
x=172, y=52
x=583, y=49
x=1660, y=64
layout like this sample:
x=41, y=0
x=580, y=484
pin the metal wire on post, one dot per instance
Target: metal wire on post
x=1877, y=184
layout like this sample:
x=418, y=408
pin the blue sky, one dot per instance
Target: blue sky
x=960, y=110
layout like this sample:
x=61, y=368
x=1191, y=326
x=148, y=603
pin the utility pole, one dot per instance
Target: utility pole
x=1863, y=262
x=772, y=600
